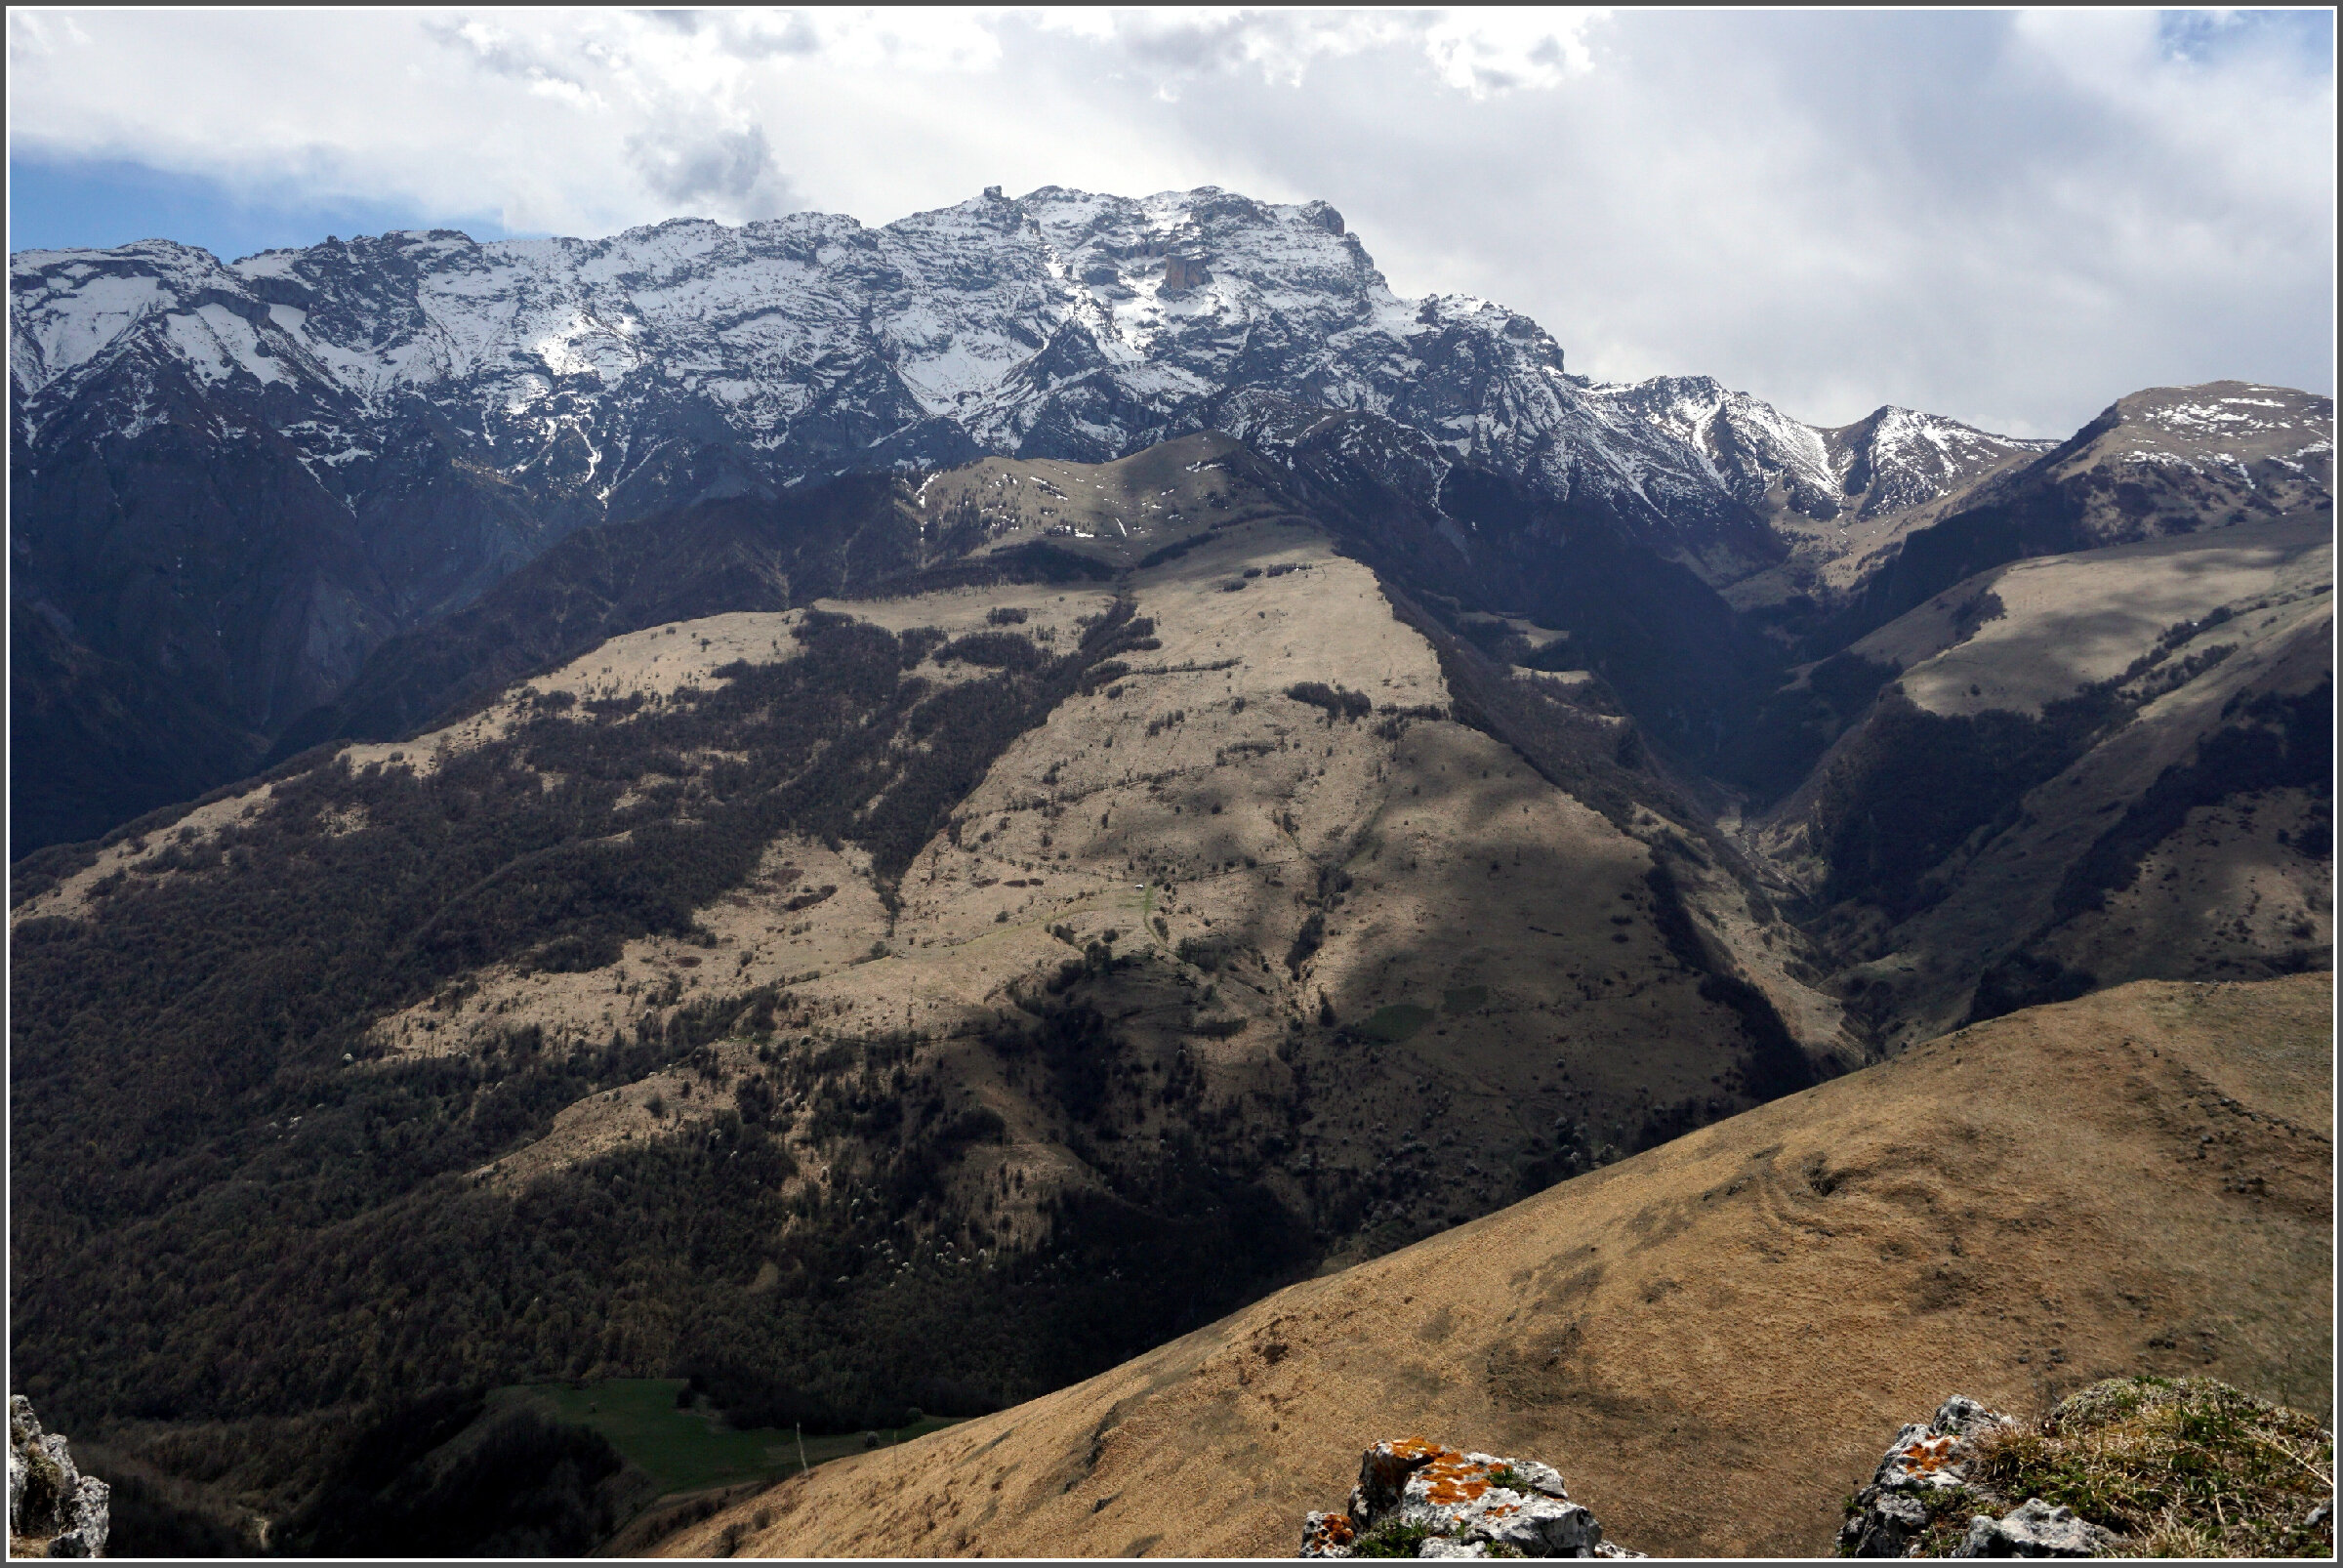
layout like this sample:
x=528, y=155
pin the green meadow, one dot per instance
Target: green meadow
x=687, y=1450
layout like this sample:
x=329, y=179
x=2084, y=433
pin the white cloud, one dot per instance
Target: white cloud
x=1499, y=51
x=1479, y=50
x=2009, y=218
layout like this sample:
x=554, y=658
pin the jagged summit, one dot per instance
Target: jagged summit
x=1062, y=323
x=1889, y=460
x=231, y=481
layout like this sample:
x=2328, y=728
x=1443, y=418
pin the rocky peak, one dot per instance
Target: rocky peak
x=1894, y=458
x=54, y=1511
x=810, y=343
x=1750, y=449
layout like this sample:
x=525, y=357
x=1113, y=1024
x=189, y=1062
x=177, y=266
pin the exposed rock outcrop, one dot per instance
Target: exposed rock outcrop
x=54, y=1511
x=1416, y=1498
x=2035, y=1529
x=1184, y=272
x=1926, y=1476
x=1926, y=1465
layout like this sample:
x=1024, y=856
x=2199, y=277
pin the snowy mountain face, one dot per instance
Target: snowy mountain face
x=1895, y=459
x=1892, y=460
x=2272, y=444
x=583, y=375
x=239, y=478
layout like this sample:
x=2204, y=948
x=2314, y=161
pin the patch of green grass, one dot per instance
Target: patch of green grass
x=1393, y=1537
x=1396, y=1022
x=686, y=1450
x=1465, y=998
x=1505, y=1475
x=2183, y=1467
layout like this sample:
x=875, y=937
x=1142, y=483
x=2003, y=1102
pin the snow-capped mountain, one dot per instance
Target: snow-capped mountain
x=602, y=378
x=232, y=481
x=1892, y=459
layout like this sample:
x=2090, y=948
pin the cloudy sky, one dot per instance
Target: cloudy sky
x=2011, y=217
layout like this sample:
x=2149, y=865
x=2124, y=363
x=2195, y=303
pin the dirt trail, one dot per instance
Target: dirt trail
x=1713, y=1339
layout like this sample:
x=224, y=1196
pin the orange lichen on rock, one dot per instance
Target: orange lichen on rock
x=1451, y=1477
x=1457, y=1501
x=1928, y=1452
x=1328, y=1535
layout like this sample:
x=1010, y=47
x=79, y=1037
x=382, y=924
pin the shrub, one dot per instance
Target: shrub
x=1395, y=1537
x=1337, y=701
x=1306, y=941
x=998, y=650
x=1396, y=1022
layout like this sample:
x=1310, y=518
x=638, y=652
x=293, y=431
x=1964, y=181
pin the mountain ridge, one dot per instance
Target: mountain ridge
x=241, y=478
x=990, y=314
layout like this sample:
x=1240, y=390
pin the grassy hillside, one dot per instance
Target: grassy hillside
x=1166, y=881
x=2138, y=1182
x=684, y=1446
x=916, y=1001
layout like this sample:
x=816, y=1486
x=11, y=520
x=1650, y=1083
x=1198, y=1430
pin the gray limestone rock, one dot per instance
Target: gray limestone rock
x=1474, y=1504
x=1891, y=1511
x=2034, y=1529
x=49, y=1500
x=1964, y=1418
x=1883, y=1523
x=86, y=1521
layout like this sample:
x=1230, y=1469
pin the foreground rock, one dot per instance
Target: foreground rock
x=2035, y=1529
x=1924, y=1471
x=54, y=1511
x=1418, y=1499
x=1929, y=1476
x=2165, y=1466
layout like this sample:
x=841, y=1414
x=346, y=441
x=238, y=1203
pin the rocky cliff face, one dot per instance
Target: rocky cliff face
x=232, y=480
x=54, y=1511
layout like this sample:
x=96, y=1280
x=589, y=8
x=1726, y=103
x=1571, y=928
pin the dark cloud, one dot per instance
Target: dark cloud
x=728, y=174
